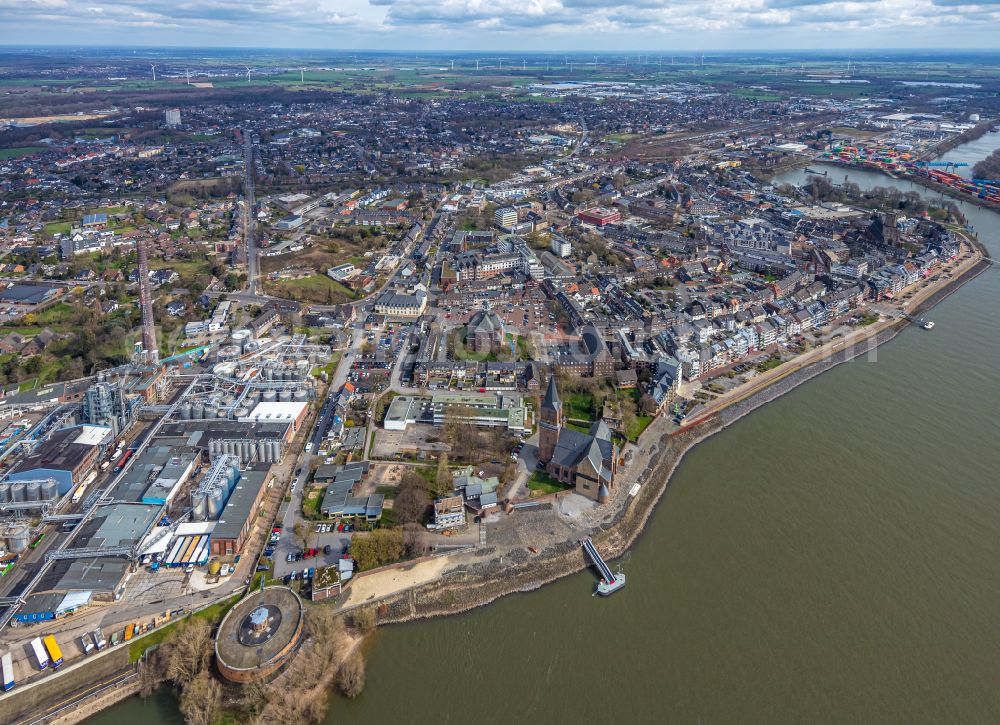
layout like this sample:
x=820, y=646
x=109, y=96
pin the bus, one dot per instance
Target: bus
x=8, y=671
x=55, y=654
x=34, y=544
x=40, y=655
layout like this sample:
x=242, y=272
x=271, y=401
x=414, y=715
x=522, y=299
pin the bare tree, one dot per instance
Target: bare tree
x=201, y=699
x=351, y=675
x=189, y=650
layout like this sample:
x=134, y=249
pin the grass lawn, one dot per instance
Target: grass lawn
x=579, y=405
x=22, y=151
x=53, y=228
x=640, y=424
x=542, y=483
x=316, y=288
x=213, y=614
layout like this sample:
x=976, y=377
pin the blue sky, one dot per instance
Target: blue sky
x=539, y=25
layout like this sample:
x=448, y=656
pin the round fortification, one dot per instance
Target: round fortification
x=259, y=635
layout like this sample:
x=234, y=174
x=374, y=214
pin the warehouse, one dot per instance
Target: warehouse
x=67, y=456
x=237, y=519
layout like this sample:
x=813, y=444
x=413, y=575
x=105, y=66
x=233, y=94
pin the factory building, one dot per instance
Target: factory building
x=68, y=455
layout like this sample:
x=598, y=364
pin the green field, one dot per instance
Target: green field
x=18, y=152
x=542, y=483
x=317, y=288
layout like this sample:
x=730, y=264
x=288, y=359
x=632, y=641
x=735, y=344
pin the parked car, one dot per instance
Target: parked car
x=327, y=549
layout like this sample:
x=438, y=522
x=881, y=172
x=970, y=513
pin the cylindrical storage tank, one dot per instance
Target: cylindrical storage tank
x=17, y=491
x=33, y=492
x=215, y=503
x=269, y=374
x=184, y=411
x=18, y=539
x=244, y=452
x=241, y=413
x=213, y=448
x=270, y=396
x=50, y=490
x=232, y=476
x=210, y=411
x=275, y=451
x=227, y=448
x=198, y=411
x=198, y=505
x=301, y=395
x=285, y=396
x=4, y=492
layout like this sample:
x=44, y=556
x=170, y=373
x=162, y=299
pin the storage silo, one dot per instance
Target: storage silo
x=33, y=491
x=275, y=451
x=197, y=411
x=18, y=538
x=17, y=492
x=216, y=501
x=50, y=490
x=198, y=505
x=301, y=395
x=4, y=492
x=184, y=411
x=285, y=396
x=269, y=396
x=222, y=413
x=241, y=413
x=210, y=411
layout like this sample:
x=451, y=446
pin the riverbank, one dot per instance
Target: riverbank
x=480, y=583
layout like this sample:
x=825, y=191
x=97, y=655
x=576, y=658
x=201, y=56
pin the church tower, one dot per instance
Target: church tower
x=550, y=422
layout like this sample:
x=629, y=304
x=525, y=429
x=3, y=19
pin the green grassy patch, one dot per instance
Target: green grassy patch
x=212, y=614
x=579, y=406
x=18, y=152
x=541, y=483
x=317, y=288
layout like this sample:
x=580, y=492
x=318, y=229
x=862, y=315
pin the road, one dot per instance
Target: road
x=250, y=214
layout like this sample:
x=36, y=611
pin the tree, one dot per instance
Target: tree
x=443, y=479
x=351, y=675
x=412, y=500
x=413, y=540
x=364, y=620
x=647, y=404
x=201, y=699
x=377, y=548
x=189, y=651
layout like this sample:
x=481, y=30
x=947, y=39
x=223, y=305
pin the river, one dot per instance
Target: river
x=832, y=558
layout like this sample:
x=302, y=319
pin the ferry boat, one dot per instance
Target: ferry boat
x=929, y=325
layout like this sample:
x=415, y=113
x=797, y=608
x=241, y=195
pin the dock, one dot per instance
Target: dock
x=610, y=582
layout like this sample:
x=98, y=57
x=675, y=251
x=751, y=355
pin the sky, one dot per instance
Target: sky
x=535, y=25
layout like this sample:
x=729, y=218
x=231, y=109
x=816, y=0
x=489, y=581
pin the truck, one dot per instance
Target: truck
x=55, y=654
x=87, y=645
x=99, y=640
x=41, y=656
x=78, y=493
x=8, y=671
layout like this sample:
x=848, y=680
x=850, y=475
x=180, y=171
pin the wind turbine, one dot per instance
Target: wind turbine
x=524, y=65
x=248, y=73
x=477, y=65
x=187, y=74
x=302, y=75
x=453, y=64
x=153, y=66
